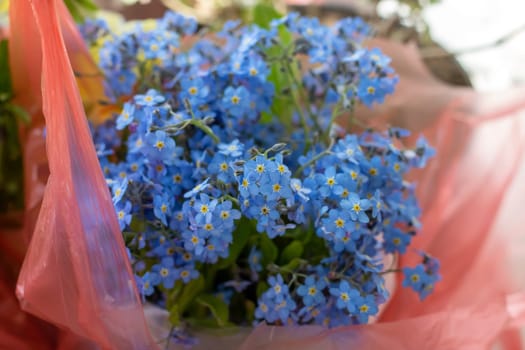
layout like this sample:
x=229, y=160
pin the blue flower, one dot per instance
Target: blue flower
x=277, y=287
x=227, y=214
x=312, y=291
x=119, y=189
x=126, y=117
x=149, y=280
x=423, y=152
x=166, y=271
x=326, y=182
x=357, y=207
x=162, y=207
x=195, y=90
x=186, y=273
x=376, y=205
x=198, y=188
x=415, y=277
x=236, y=100
x=159, y=146
x=150, y=99
x=123, y=214
x=233, y=149
x=204, y=208
x=345, y=296
x=395, y=240
x=365, y=307
x=254, y=260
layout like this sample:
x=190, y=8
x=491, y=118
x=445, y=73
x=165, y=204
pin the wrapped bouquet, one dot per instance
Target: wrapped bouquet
x=239, y=198
x=231, y=195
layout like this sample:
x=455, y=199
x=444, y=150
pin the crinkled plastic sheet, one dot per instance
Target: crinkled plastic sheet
x=76, y=274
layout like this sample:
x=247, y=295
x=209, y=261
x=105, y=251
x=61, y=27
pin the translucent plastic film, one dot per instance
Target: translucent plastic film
x=472, y=221
x=76, y=273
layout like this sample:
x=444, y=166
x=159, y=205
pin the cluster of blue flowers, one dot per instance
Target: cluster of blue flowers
x=231, y=178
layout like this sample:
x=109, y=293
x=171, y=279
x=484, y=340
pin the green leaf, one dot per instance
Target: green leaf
x=5, y=73
x=262, y=287
x=292, y=251
x=189, y=292
x=263, y=14
x=20, y=113
x=217, y=307
x=293, y=264
x=174, y=315
x=240, y=238
x=268, y=249
x=80, y=9
x=250, y=310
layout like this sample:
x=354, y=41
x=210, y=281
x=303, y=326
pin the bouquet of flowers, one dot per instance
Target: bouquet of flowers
x=239, y=197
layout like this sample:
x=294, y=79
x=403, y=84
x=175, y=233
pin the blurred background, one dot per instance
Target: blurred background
x=479, y=43
x=473, y=43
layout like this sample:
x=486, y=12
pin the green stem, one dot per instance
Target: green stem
x=390, y=271
x=314, y=159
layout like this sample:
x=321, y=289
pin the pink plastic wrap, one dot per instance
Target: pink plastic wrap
x=76, y=273
x=26, y=70
x=471, y=196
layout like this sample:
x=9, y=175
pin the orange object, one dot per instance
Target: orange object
x=76, y=273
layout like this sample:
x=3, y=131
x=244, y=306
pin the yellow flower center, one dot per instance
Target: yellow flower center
x=345, y=296
x=312, y=291
x=265, y=210
x=204, y=209
x=339, y=222
x=159, y=145
x=364, y=308
x=194, y=239
x=330, y=181
x=184, y=273
x=356, y=207
x=264, y=307
x=164, y=272
x=259, y=168
x=371, y=90
x=235, y=99
x=224, y=166
x=193, y=90
x=208, y=227
x=121, y=214
x=276, y=188
x=163, y=208
x=372, y=171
